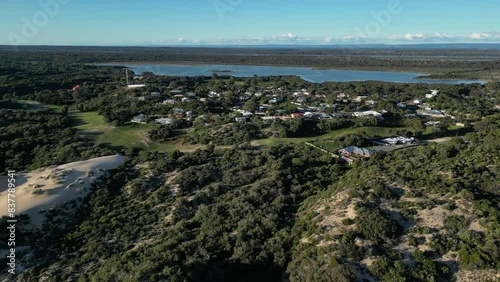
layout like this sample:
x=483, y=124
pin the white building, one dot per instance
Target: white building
x=368, y=114
x=164, y=121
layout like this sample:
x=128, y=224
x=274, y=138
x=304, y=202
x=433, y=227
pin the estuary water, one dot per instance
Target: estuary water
x=309, y=74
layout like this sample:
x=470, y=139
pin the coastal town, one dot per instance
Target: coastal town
x=268, y=105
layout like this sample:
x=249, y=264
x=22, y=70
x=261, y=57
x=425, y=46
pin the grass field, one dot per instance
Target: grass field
x=371, y=131
x=93, y=126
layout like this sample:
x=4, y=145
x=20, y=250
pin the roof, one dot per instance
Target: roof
x=358, y=151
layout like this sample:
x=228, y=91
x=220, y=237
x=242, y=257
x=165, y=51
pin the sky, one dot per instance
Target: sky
x=247, y=22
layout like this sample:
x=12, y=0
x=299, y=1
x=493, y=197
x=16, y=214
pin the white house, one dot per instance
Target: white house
x=368, y=114
x=399, y=140
x=433, y=94
x=164, y=121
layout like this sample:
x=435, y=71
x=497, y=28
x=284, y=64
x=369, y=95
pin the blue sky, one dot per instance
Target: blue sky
x=247, y=22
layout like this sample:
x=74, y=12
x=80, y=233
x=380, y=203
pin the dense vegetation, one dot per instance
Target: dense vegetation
x=251, y=214
x=31, y=138
x=236, y=212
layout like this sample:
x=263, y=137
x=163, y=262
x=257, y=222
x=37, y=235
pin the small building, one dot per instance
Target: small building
x=401, y=105
x=368, y=114
x=275, y=100
x=140, y=119
x=155, y=94
x=268, y=118
x=297, y=115
x=399, y=140
x=432, y=123
x=176, y=92
x=164, y=121
x=433, y=94
x=356, y=151
x=168, y=102
x=241, y=119
x=434, y=113
x=178, y=111
x=308, y=115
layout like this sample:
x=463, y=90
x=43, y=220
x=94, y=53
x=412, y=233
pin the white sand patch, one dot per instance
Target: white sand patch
x=433, y=218
x=475, y=226
x=43, y=188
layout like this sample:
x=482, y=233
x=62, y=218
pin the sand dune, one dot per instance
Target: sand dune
x=41, y=189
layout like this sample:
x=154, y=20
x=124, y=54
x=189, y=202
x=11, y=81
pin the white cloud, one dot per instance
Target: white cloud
x=485, y=35
x=291, y=36
x=440, y=35
x=354, y=37
x=412, y=36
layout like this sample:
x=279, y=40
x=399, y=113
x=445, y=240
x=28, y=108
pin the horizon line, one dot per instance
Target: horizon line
x=251, y=45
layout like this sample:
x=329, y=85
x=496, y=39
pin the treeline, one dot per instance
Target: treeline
x=30, y=139
x=449, y=59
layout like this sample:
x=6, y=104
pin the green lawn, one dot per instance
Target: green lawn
x=372, y=131
x=93, y=126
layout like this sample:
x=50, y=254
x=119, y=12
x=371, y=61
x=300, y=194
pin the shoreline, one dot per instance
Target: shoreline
x=417, y=75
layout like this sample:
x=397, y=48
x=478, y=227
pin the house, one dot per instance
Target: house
x=179, y=112
x=399, y=140
x=268, y=118
x=140, y=119
x=164, y=121
x=155, y=94
x=432, y=123
x=356, y=151
x=275, y=100
x=191, y=94
x=434, y=113
x=176, y=92
x=433, y=94
x=213, y=94
x=245, y=113
x=324, y=116
x=368, y=114
x=241, y=119
x=169, y=102
x=308, y=115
